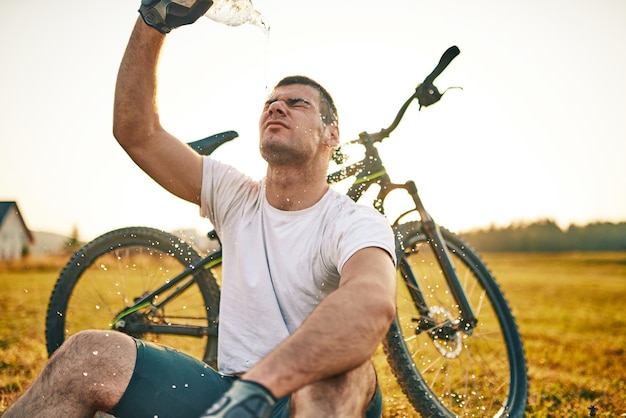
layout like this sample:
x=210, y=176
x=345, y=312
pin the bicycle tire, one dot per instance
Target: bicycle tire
x=482, y=374
x=111, y=272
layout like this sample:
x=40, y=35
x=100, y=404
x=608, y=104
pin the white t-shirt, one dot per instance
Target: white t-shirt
x=277, y=265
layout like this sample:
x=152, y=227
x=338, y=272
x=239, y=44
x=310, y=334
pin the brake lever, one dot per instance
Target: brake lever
x=428, y=94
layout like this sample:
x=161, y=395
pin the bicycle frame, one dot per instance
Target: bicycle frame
x=123, y=321
x=368, y=172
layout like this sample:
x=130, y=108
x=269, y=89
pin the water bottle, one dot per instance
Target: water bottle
x=232, y=12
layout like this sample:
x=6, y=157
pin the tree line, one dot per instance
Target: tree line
x=546, y=235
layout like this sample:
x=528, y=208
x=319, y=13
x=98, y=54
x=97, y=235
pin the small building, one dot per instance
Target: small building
x=15, y=237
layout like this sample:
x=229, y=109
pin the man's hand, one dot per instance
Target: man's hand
x=165, y=15
x=245, y=399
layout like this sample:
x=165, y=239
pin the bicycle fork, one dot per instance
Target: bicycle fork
x=467, y=320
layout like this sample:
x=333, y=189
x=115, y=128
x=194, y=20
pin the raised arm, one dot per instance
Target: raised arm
x=136, y=124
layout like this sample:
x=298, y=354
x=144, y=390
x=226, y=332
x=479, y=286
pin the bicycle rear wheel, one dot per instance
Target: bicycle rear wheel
x=446, y=372
x=117, y=269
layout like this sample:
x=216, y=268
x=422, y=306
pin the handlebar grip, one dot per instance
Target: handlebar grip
x=445, y=60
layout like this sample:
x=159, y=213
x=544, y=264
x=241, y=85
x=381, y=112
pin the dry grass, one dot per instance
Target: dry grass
x=569, y=308
x=50, y=263
x=22, y=321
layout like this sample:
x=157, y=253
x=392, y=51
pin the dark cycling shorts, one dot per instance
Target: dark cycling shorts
x=167, y=383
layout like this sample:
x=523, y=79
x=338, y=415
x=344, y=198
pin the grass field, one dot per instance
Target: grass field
x=569, y=308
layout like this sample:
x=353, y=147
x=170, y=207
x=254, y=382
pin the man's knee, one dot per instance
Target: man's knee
x=89, y=345
x=95, y=365
x=345, y=394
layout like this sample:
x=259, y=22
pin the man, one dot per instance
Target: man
x=309, y=280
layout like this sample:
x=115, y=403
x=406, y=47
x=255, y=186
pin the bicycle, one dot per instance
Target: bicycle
x=454, y=345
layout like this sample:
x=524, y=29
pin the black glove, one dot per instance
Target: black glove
x=245, y=399
x=165, y=15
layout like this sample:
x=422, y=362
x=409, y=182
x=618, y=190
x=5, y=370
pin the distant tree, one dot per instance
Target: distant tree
x=599, y=236
x=545, y=235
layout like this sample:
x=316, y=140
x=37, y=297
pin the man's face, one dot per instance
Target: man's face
x=291, y=129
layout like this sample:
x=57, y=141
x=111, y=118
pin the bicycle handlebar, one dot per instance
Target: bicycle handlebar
x=425, y=93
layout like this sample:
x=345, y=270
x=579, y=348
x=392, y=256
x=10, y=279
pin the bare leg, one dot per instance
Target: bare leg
x=89, y=372
x=347, y=395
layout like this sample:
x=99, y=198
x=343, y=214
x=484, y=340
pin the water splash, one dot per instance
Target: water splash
x=236, y=13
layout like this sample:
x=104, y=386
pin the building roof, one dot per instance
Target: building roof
x=6, y=207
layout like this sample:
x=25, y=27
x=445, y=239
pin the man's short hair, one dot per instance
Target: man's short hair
x=328, y=111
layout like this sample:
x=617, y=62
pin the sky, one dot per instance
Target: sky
x=538, y=130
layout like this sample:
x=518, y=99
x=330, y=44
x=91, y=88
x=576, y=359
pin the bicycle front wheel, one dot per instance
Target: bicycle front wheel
x=114, y=271
x=444, y=371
